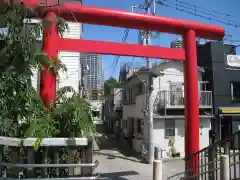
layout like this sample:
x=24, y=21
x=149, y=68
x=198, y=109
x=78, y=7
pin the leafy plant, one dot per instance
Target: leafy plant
x=18, y=100
x=110, y=84
x=74, y=116
x=22, y=112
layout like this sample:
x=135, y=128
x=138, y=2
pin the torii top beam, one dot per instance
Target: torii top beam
x=110, y=17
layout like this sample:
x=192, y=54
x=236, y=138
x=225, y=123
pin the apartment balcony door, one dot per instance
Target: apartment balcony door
x=176, y=93
x=130, y=130
x=226, y=127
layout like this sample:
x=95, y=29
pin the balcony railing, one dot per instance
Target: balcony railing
x=175, y=99
x=129, y=101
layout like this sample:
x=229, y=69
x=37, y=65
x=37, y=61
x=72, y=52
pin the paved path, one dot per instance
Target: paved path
x=122, y=169
x=115, y=165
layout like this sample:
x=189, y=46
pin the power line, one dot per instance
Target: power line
x=198, y=9
x=231, y=40
x=205, y=9
x=116, y=60
x=197, y=13
x=130, y=65
x=234, y=40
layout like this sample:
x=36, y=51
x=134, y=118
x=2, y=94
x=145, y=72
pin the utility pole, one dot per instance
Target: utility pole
x=147, y=41
x=150, y=102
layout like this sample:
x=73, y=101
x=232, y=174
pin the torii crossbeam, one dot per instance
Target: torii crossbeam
x=52, y=43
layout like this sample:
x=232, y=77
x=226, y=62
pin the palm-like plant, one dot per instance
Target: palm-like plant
x=73, y=114
x=22, y=112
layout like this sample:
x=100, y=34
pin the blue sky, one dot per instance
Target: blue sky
x=114, y=34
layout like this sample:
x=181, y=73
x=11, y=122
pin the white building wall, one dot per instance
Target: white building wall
x=135, y=110
x=170, y=72
x=35, y=78
x=161, y=141
x=70, y=59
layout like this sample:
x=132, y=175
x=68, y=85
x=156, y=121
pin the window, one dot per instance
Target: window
x=124, y=123
x=96, y=113
x=169, y=128
x=140, y=88
x=235, y=91
x=140, y=126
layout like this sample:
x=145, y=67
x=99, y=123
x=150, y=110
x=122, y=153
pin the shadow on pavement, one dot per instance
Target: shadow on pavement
x=111, y=143
x=113, y=156
x=117, y=175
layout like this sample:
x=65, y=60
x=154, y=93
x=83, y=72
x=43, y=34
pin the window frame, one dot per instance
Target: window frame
x=139, y=126
x=168, y=129
x=124, y=124
x=233, y=98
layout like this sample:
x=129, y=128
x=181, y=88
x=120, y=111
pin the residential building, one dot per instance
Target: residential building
x=94, y=94
x=112, y=110
x=178, y=43
x=93, y=76
x=96, y=107
x=168, y=98
x=222, y=71
x=71, y=60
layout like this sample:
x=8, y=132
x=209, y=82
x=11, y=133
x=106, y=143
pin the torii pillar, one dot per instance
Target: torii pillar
x=50, y=39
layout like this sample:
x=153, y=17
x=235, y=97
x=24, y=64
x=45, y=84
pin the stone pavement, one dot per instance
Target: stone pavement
x=117, y=168
x=116, y=165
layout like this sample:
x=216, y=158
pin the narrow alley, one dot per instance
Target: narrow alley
x=118, y=163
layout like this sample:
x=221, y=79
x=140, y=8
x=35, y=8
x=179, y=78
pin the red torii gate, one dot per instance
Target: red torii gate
x=52, y=43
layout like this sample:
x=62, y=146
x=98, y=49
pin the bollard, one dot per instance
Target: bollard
x=224, y=167
x=157, y=169
x=157, y=165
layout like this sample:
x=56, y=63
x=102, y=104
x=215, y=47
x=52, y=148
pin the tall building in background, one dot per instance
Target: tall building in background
x=93, y=76
x=177, y=43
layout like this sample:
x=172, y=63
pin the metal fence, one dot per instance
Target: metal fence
x=56, y=158
x=170, y=98
x=220, y=161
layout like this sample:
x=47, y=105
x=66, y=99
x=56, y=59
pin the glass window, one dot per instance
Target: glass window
x=169, y=128
x=235, y=91
x=140, y=126
x=96, y=113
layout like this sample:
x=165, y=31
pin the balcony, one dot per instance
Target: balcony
x=175, y=99
x=129, y=101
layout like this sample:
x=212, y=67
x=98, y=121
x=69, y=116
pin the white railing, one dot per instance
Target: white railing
x=169, y=98
x=56, y=158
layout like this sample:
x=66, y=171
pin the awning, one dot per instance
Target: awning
x=229, y=110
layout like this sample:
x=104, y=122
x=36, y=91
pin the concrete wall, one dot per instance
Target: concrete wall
x=161, y=141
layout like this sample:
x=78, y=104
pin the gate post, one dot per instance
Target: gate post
x=50, y=40
x=224, y=167
x=191, y=106
x=185, y=104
